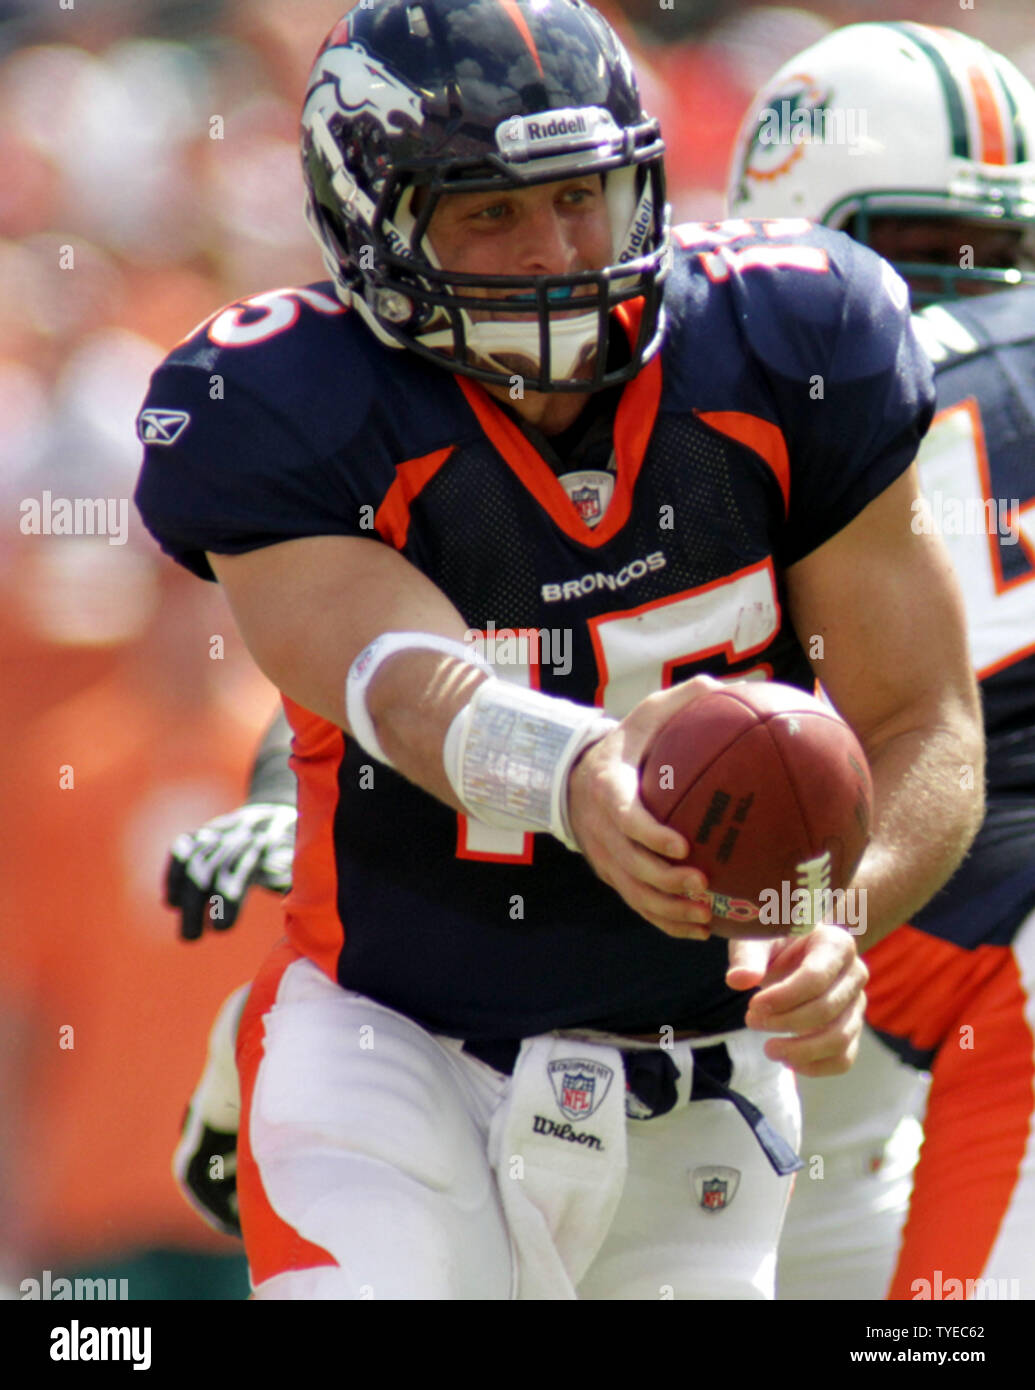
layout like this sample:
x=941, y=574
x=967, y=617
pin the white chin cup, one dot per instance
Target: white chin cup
x=570, y=340
x=508, y=754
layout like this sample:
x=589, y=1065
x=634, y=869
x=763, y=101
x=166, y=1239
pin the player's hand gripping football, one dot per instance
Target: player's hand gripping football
x=810, y=987
x=622, y=841
x=211, y=869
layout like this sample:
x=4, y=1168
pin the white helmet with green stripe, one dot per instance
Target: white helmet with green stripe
x=895, y=120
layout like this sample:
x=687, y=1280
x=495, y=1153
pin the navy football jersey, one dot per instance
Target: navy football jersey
x=977, y=470
x=789, y=392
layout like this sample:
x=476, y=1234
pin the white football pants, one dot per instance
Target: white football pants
x=379, y=1161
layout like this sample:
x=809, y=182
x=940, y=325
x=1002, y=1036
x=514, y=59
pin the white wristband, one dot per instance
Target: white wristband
x=508, y=754
x=369, y=661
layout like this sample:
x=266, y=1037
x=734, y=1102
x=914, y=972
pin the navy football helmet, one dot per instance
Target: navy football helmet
x=410, y=100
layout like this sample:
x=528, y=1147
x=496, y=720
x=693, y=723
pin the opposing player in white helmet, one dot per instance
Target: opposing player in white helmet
x=898, y=134
x=920, y=142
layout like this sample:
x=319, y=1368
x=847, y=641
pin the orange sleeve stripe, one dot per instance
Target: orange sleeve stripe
x=949, y=973
x=979, y=1113
x=761, y=437
x=311, y=909
x=976, y=1133
x=392, y=520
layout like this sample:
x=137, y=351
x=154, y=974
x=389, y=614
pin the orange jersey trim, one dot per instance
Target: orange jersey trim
x=951, y=975
x=634, y=421
x=392, y=519
x=313, y=923
x=761, y=437
x=488, y=856
x=979, y=1112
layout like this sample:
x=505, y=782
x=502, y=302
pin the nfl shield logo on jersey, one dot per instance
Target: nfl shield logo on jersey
x=716, y=1186
x=590, y=490
x=579, y=1086
x=587, y=503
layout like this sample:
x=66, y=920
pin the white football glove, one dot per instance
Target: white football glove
x=211, y=869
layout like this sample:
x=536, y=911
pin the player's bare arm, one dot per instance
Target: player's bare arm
x=895, y=663
x=350, y=591
x=415, y=695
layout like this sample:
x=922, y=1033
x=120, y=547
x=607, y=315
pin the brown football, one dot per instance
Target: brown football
x=772, y=790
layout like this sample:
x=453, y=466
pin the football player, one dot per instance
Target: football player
x=939, y=178
x=519, y=467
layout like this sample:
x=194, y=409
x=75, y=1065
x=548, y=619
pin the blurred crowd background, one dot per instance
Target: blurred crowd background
x=150, y=174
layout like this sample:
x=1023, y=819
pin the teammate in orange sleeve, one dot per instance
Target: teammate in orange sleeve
x=942, y=182
x=452, y=1078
